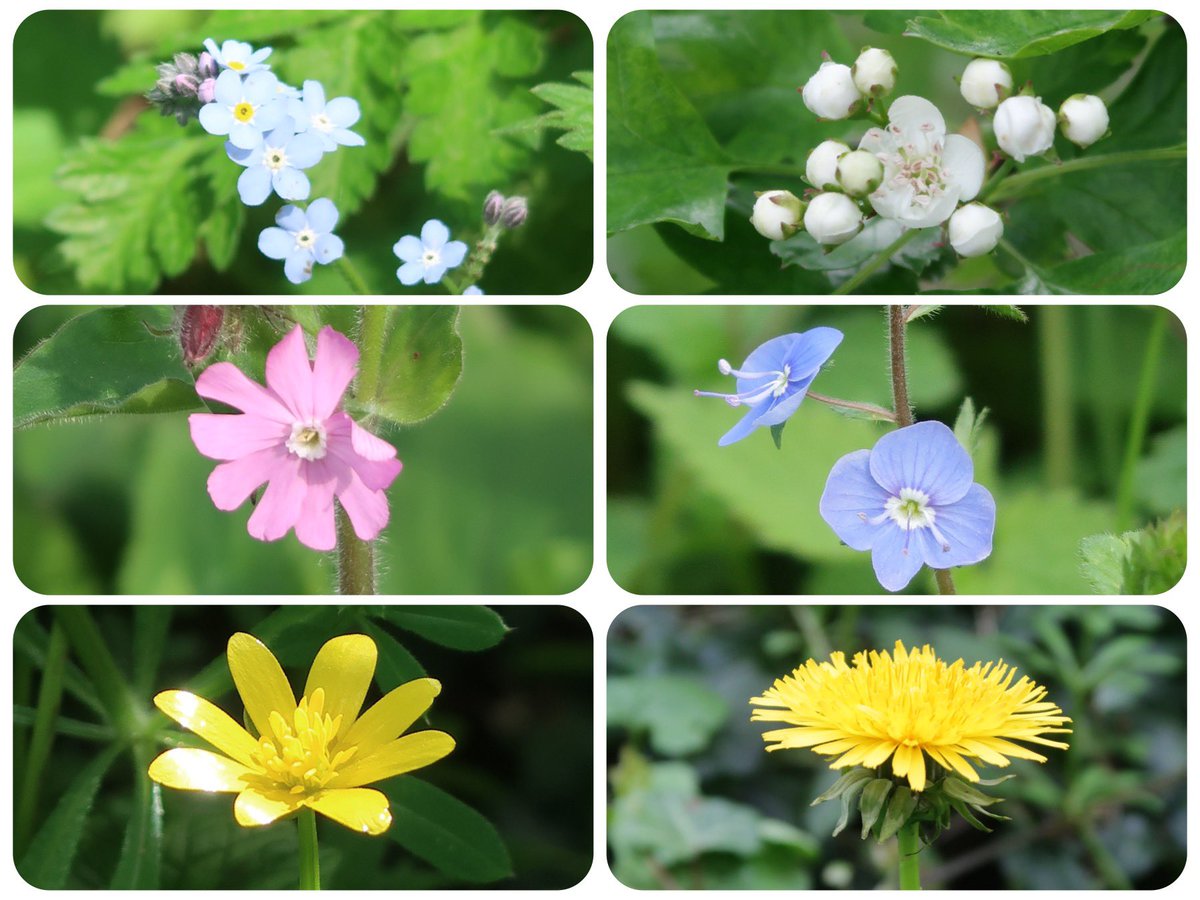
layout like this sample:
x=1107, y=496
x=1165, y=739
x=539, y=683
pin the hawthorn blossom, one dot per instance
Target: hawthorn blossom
x=1024, y=127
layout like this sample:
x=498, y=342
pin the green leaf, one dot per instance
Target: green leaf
x=663, y=163
x=1150, y=268
x=396, y=666
x=48, y=861
x=1014, y=34
x=1161, y=475
x=105, y=361
x=457, y=627
x=1103, y=562
x=1005, y=311
x=777, y=435
x=139, y=865
x=870, y=805
x=1149, y=561
x=572, y=115
x=899, y=810
x=802, y=249
x=680, y=715
x=446, y=833
x=968, y=424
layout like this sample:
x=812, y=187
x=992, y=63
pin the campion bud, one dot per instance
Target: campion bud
x=777, y=214
x=859, y=173
x=832, y=218
x=821, y=168
x=1084, y=119
x=985, y=82
x=1024, y=127
x=493, y=204
x=199, y=328
x=514, y=212
x=874, y=72
x=975, y=229
x=831, y=93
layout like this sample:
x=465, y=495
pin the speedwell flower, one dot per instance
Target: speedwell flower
x=243, y=109
x=316, y=753
x=910, y=500
x=926, y=172
x=303, y=237
x=426, y=258
x=775, y=377
x=330, y=121
x=238, y=56
x=276, y=162
x=906, y=705
x=292, y=437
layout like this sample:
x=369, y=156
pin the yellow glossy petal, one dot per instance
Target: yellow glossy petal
x=210, y=722
x=343, y=668
x=260, y=681
x=392, y=715
x=254, y=807
x=360, y=809
x=192, y=769
x=413, y=751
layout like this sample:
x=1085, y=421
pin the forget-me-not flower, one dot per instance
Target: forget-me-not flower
x=910, y=500
x=330, y=120
x=276, y=162
x=238, y=56
x=303, y=237
x=775, y=377
x=428, y=257
x=243, y=109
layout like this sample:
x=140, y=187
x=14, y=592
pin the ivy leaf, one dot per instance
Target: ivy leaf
x=1014, y=34
x=572, y=115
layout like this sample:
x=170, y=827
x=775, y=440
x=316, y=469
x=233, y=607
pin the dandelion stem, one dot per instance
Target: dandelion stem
x=909, y=839
x=356, y=559
x=871, y=267
x=310, y=862
x=353, y=277
x=1139, y=420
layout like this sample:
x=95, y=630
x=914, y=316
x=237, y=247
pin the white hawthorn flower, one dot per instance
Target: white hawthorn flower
x=821, y=167
x=1084, y=119
x=985, y=82
x=1024, y=127
x=926, y=173
x=831, y=93
x=874, y=72
x=832, y=218
x=777, y=214
x=859, y=172
x=975, y=229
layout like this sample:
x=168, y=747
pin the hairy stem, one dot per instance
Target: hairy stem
x=1022, y=181
x=909, y=840
x=876, y=262
x=1140, y=418
x=868, y=409
x=353, y=277
x=945, y=581
x=356, y=559
x=899, y=365
x=310, y=862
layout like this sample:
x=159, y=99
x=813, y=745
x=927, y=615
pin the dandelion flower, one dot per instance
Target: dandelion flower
x=316, y=753
x=905, y=706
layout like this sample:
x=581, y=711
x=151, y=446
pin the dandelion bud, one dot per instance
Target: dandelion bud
x=821, y=167
x=1024, y=127
x=975, y=229
x=493, y=205
x=985, y=82
x=514, y=212
x=831, y=93
x=832, y=218
x=874, y=72
x=777, y=214
x=859, y=172
x=1083, y=118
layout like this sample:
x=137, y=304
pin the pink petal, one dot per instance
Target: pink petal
x=225, y=383
x=280, y=505
x=333, y=370
x=289, y=374
x=231, y=483
x=368, y=445
x=376, y=474
x=232, y=437
x=367, y=509
x=315, y=525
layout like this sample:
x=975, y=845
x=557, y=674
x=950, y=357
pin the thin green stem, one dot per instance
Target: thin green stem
x=90, y=649
x=909, y=839
x=1140, y=419
x=1058, y=418
x=46, y=716
x=945, y=581
x=856, y=406
x=353, y=277
x=310, y=861
x=372, y=332
x=356, y=559
x=784, y=171
x=993, y=183
x=871, y=267
x=1022, y=181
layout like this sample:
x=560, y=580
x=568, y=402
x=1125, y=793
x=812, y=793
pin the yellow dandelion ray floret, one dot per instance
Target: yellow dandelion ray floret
x=906, y=704
x=318, y=752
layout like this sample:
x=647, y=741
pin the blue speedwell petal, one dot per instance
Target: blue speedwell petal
x=851, y=499
x=895, y=559
x=966, y=529
x=925, y=457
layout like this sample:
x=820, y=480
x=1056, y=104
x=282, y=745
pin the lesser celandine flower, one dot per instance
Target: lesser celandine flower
x=318, y=753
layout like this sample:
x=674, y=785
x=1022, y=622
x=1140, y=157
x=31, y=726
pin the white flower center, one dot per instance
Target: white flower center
x=917, y=169
x=911, y=511
x=305, y=239
x=321, y=122
x=431, y=257
x=776, y=387
x=307, y=440
x=274, y=158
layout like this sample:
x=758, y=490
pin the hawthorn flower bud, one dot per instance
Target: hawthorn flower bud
x=831, y=93
x=832, y=218
x=493, y=205
x=975, y=229
x=985, y=82
x=1083, y=118
x=1024, y=127
x=777, y=214
x=821, y=167
x=514, y=212
x=859, y=172
x=874, y=72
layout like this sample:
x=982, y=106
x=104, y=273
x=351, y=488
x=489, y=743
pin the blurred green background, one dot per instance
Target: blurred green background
x=432, y=151
x=696, y=802
x=495, y=496
x=519, y=705
x=1065, y=391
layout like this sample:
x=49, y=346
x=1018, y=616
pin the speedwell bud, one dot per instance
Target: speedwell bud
x=859, y=173
x=874, y=72
x=831, y=93
x=975, y=229
x=832, y=218
x=1083, y=119
x=985, y=82
x=1024, y=127
x=777, y=214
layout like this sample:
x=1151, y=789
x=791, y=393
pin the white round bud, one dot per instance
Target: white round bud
x=1024, y=127
x=832, y=218
x=985, y=82
x=975, y=229
x=859, y=173
x=777, y=214
x=1083, y=118
x=831, y=93
x=821, y=168
x=874, y=72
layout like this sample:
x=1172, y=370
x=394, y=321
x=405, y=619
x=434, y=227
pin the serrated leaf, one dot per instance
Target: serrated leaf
x=1015, y=34
x=899, y=809
x=573, y=114
x=872, y=801
x=967, y=425
x=457, y=627
x=1102, y=563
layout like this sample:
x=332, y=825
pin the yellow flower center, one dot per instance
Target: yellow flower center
x=237, y=65
x=244, y=111
x=298, y=756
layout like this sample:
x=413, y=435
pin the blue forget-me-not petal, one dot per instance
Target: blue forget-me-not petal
x=243, y=109
x=276, y=163
x=303, y=237
x=428, y=257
